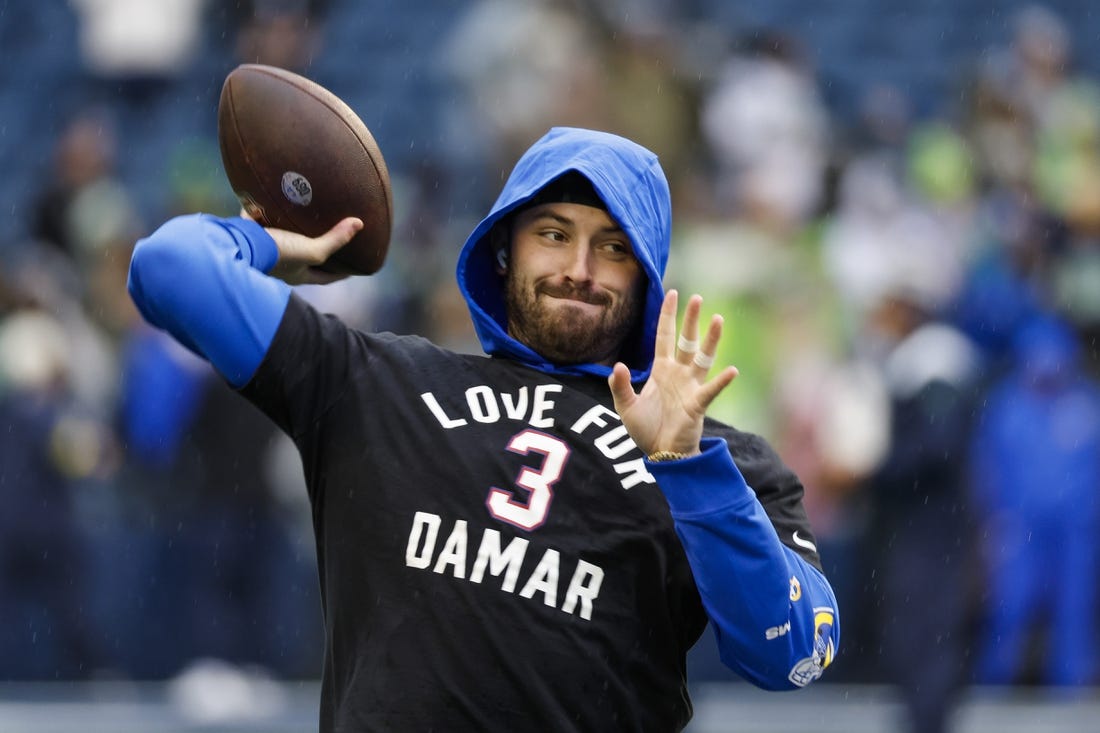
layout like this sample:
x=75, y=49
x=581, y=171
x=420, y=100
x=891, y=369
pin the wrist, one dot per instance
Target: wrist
x=662, y=456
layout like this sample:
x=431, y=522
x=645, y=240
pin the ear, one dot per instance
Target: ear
x=498, y=240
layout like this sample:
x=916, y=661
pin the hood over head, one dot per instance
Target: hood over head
x=632, y=187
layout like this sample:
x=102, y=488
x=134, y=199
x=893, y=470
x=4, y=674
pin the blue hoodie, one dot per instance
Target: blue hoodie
x=195, y=270
x=631, y=183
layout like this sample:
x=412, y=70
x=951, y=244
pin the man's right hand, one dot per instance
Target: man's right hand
x=300, y=256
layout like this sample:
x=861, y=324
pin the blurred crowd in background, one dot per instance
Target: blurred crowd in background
x=896, y=206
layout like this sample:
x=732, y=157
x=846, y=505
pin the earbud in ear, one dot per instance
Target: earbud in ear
x=499, y=240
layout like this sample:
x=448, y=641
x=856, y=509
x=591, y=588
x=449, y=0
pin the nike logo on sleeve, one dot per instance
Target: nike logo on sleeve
x=803, y=543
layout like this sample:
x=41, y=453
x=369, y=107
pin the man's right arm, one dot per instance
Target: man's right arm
x=203, y=279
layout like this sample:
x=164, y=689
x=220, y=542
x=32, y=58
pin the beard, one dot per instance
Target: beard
x=570, y=335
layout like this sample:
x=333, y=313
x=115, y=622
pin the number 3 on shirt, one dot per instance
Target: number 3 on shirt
x=539, y=484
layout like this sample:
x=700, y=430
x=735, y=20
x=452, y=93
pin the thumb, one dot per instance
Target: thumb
x=340, y=234
x=621, y=390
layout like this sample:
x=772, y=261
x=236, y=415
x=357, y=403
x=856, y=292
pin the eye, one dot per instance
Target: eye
x=616, y=249
x=554, y=235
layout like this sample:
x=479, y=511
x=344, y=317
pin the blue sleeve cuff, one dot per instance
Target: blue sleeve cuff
x=199, y=278
x=255, y=243
x=703, y=484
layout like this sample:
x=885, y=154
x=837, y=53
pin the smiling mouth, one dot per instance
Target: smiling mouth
x=575, y=297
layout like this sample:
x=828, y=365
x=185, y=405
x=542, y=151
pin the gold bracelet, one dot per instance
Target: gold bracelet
x=666, y=455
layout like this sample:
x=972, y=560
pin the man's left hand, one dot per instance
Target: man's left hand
x=667, y=414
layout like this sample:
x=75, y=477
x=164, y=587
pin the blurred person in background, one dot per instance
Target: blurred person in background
x=895, y=248
x=920, y=550
x=83, y=180
x=1008, y=279
x=1036, y=464
x=85, y=221
x=51, y=453
x=134, y=57
x=767, y=127
x=893, y=215
x=135, y=48
x=215, y=560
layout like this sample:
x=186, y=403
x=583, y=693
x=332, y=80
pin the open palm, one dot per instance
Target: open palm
x=667, y=414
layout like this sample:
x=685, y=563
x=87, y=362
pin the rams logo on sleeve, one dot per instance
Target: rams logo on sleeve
x=809, y=669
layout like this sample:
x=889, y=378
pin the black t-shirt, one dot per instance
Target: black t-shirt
x=493, y=554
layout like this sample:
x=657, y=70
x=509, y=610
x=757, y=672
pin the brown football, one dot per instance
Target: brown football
x=299, y=158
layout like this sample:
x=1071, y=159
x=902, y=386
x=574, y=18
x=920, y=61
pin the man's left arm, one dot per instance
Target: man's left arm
x=774, y=613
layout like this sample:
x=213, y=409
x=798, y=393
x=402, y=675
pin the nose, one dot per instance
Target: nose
x=578, y=266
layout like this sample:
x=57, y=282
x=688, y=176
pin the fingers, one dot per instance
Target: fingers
x=665, y=344
x=301, y=255
x=687, y=349
x=320, y=249
x=687, y=345
x=622, y=392
x=704, y=358
x=714, y=387
x=338, y=236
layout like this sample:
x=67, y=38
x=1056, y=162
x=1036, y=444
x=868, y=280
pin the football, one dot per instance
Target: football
x=299, y=158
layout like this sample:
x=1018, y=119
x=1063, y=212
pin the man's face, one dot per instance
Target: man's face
x=573, y=287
